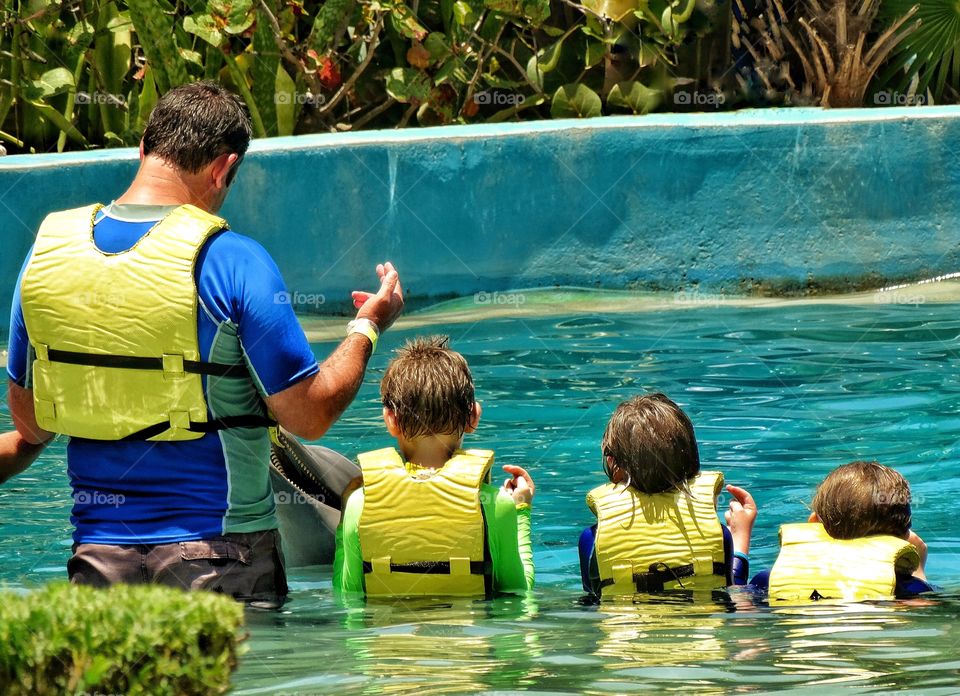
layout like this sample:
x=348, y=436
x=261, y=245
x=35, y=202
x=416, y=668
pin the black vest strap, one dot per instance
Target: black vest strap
x=126, y=362
x=225, y=423
x=432, y=567
x=660, y=573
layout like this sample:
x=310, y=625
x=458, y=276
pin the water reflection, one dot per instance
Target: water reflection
x=654, y=632
x=430, y=647
x=827, y=642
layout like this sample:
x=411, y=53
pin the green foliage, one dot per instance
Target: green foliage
x=154, y=24
x=408, y=86
x=264, y=71
x=86, y=73
x=65, y=70
x=930, y=54
x=144, y=639
x=330, y=18
x=634, y=97
x=575, y=101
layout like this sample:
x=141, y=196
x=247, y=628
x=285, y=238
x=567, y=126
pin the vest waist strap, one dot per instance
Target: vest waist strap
x=211, y=426
x=127, y=362
x=432, y=567
x=659, y=574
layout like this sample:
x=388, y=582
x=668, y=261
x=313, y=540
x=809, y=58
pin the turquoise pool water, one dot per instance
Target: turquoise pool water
x=779, y=395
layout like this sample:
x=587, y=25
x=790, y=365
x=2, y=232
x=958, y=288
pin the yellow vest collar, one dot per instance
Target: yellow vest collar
x=814, y=565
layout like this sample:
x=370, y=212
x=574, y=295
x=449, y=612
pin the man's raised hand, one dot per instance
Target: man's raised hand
x=385, y=306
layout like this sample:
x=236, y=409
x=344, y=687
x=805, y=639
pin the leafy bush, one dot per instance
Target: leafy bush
x=82, y=73
x=87, y=73
x=128, y=639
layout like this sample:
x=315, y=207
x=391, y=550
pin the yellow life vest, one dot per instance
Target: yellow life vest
x=650, y=543
x=424, y=536
x=814, y=565
x=115, y=334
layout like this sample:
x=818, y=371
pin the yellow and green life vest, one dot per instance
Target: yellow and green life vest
x=114, y=335
x=424, y=536
x=651, y=543
x=813, y=565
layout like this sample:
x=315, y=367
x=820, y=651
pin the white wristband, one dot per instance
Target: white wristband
x=366, y=327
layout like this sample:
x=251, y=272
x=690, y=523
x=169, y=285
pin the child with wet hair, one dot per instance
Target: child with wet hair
x=857, y=543
x=657, y=523
x=862, y=499
x=425, y=519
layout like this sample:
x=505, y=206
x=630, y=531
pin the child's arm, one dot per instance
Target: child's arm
x=740, y=518
x=348, y=560
x=16, y=454
x=921, y=545
x=508, y=531
x=522, y=488
x=588, y=569
x=525, y=545
x=503, y=539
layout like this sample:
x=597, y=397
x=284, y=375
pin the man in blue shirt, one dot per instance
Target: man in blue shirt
x=197, y=513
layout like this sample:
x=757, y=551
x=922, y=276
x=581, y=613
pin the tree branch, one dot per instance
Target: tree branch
x=345, y=87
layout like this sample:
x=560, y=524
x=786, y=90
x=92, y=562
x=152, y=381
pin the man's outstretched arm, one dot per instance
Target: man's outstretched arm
x=310, y=407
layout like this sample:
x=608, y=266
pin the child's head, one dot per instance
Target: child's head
x=861, y=499
x=427, y=391
x=649, y=443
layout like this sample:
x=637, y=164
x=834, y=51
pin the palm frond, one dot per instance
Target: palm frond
x=931, y=53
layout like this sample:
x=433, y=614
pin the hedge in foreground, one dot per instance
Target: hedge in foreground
x=128, y=639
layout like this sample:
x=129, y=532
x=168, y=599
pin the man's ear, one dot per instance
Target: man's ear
x=220, y=170
x=390, y=418
x=474, y=418
x=141, y=150
x=813, y=517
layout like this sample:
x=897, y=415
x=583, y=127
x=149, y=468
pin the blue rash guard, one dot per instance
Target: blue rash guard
x=166, y=492
x=738, y=566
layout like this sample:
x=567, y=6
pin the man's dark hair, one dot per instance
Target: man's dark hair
x=194, y=124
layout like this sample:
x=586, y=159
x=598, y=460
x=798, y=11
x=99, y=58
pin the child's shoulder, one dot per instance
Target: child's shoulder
x=352, y=495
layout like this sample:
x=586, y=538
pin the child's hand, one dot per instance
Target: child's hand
x=921, y=545
x=740, y=518
x=521, y=486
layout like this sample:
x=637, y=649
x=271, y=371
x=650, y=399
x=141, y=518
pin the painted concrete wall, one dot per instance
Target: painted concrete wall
x=772, y=201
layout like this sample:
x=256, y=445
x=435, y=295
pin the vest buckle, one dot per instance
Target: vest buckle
x=173, y=366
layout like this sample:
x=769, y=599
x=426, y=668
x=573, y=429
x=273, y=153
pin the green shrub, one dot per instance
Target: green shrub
x=87, y=73
x=128, y=639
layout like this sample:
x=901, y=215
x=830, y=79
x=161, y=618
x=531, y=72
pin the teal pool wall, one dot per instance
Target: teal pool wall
x=772, y=201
